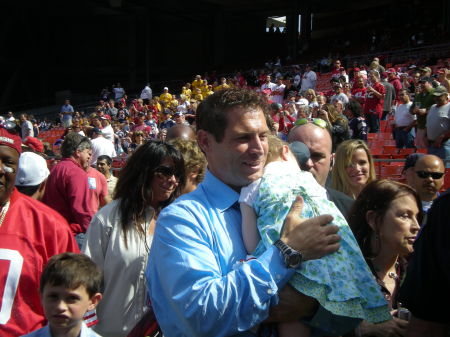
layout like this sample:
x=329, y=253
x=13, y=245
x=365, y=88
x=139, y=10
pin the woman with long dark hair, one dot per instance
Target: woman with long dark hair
x=120, y=234
x=385, y=221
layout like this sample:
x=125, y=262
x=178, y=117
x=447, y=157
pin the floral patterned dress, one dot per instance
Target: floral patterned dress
x=341, y=282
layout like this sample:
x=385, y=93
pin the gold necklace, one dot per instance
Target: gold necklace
x=3, y=212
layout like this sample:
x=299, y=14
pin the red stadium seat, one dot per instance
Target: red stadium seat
x=391, y=170
x=390, y=149
x=406, y=151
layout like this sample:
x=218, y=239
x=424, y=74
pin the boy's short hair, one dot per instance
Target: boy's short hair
x=71, y=271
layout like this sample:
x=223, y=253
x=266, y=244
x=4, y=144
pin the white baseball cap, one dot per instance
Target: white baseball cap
x=32, y=170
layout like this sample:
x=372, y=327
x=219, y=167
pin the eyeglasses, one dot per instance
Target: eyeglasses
x=425, y=174
x=316, y=121
x=166, y=172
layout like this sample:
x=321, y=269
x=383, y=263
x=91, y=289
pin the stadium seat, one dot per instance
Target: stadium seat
x=391, y=171
x=407, y=151
x=390, y=149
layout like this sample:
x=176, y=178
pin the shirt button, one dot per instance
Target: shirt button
x=269, y=291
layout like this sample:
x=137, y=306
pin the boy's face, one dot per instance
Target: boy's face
x=64, y=308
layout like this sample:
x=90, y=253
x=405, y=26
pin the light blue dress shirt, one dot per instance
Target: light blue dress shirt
x=196, y=285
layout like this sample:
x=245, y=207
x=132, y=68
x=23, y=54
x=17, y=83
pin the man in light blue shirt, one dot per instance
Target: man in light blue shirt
x=197, y=284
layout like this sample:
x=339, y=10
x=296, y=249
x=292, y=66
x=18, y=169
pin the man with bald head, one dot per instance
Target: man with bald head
x=318, y=141
x=180, y=131
x=427, y=179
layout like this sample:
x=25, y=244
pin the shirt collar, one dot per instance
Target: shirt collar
x=219, y=194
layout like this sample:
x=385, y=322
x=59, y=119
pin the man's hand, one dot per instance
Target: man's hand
x=292, y=306
x=395, y=327
x=311, y=237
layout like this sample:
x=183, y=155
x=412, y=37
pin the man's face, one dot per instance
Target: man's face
x=239, y=158
x=103, y=166
x=179, y=118
x=318, y=142
x=268, y=78
x=9, y=161
x=441, y=100
x=337, y=64
x=427, y=187
x=404, y=97
x=96, y=122
x=426, y=86
x=84, y=157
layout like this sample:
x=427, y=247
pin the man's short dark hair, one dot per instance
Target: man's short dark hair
x=105, y=158
x=73, y=142
x=71, y=270
x=213, y=111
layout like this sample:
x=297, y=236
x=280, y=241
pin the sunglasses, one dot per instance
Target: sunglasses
x=316, y=121
x=425, y=174
x=166, y=172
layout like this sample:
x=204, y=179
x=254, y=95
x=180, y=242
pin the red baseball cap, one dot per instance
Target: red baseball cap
x=34, y=143
x=11, y=140
x=391, y=71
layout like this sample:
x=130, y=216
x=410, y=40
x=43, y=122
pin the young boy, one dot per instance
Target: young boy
x=70, y=286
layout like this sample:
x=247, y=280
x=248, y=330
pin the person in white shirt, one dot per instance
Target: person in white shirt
x=268, y=85
x=107, y=130
x=309, y=79
x=278, y=91
x=146, y=94
x=404, y=122
x=101, y=146
x=339, y=96
x=119, y=92
x=26, y=126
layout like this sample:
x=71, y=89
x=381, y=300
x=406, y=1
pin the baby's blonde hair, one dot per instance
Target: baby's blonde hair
x=275, y=148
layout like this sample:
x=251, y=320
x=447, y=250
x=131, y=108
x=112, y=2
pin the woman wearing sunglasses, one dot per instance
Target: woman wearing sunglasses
x=353, y=167
x=120, y=234
x=385, y=221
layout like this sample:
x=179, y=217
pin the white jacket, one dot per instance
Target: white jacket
x=125, y=296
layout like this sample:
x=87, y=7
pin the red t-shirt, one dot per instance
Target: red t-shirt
x=98, y=187
x=359, y=94
x=31, y=233
x=67, y=192
x=373, y=104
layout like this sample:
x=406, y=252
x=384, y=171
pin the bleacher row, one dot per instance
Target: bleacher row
x=388, y=159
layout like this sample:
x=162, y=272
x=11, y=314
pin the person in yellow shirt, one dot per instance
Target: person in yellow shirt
x=198, y=95
x=197, y=83
x=186, y=91
x=174, y=102
x=223, y=84
x=209, y=91
x=165, y=96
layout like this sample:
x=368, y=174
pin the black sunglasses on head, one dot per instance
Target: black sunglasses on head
x=425, y=174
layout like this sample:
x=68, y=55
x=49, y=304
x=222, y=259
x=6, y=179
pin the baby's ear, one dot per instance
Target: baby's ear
x=285, y=152
x=95, y=299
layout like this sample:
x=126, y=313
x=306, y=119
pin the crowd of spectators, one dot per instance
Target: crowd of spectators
x=118, y=222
